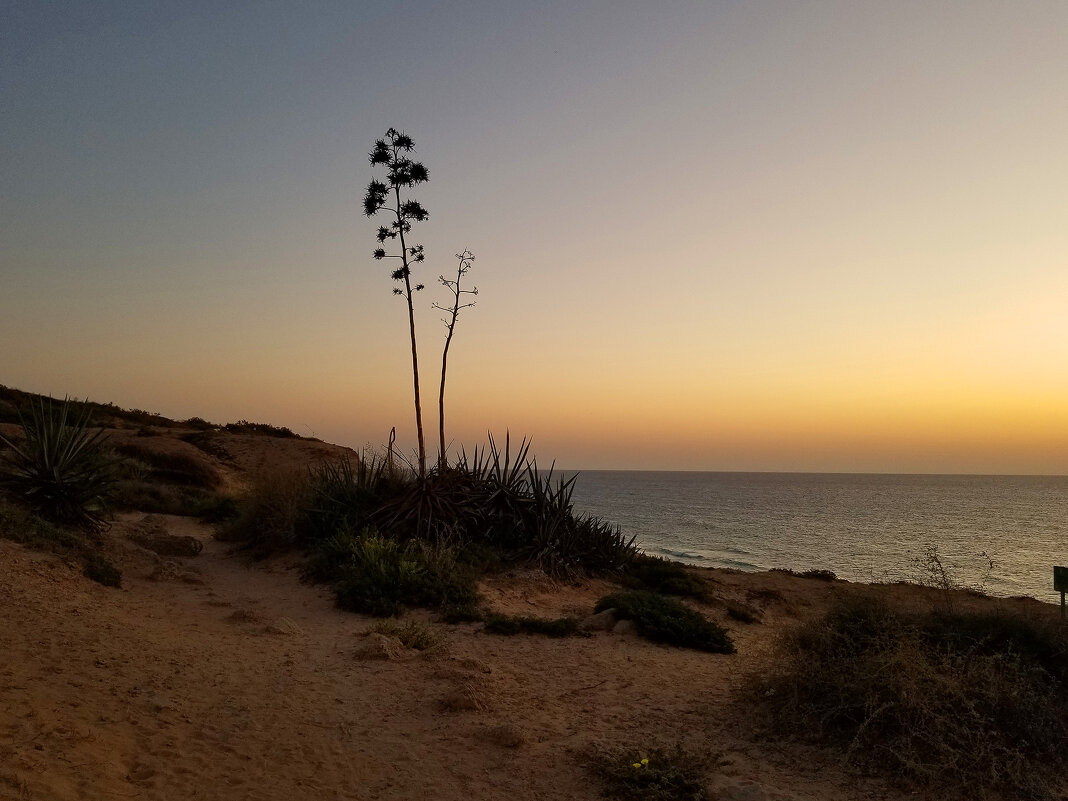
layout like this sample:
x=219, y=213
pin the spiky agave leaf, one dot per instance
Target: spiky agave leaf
x=60, y=468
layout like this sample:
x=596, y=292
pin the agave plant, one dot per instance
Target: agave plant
x=59, y=467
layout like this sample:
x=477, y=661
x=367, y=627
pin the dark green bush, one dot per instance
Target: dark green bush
x=654, y=774
x=100, y=570
x=656, y=574
x=60, y=468
x=382, y=576
x=666, y=620
x=962, y=704
x=509, y=625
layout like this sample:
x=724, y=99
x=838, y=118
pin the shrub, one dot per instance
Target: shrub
x=656, y=574
x=666, y=620
x=100, y=570
x=271, y=515
x=245, y=427
x=381, y=576
x=20, y=525
x=656, y=774
x=509, y=625
x=172, y=467
x=346, y=495
x=60, y=468
x=963, y=704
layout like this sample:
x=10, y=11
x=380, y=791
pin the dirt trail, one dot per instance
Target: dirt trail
x=217, y=680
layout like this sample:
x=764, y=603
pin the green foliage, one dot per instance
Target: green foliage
x=381, y=576
x=509, y=625
x=59, y=468
x=664, y=576
x=654, y=774
x=964, y=704
x=468, y=518
x=100, y=570
x=345, y=495
x=19, y=524
x=666, y=620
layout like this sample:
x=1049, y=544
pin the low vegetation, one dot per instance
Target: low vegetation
x=387, y=538
x=59, y=467
x=660, y=575
x=381, y=576
x=666, y=620
x=655, y=774
x=509, y=625
x=966, y=704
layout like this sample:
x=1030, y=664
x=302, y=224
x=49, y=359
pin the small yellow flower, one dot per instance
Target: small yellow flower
x=645, y=761
x=637, y=764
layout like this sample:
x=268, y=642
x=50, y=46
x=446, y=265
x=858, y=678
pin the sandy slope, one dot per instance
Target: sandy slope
x=216, y=680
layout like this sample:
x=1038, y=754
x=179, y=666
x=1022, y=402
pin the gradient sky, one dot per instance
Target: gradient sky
x=710, y=235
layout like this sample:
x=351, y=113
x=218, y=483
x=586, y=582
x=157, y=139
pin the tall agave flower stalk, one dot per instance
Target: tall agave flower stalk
x=59, y=467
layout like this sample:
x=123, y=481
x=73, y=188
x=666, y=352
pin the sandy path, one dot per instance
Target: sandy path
x=248, y=684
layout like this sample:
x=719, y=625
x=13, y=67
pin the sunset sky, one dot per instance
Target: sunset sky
x=815, y=236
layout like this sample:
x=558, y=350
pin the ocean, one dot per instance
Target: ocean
x=999, y=534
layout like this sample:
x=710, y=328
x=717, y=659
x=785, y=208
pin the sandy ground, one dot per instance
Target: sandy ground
x=208, y=678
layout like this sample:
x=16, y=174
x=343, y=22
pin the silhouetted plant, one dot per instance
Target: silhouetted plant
x=401, y=173
x=60, y=468
x=465, y=259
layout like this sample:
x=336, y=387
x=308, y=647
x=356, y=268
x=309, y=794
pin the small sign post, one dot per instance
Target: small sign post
x=1060, y=583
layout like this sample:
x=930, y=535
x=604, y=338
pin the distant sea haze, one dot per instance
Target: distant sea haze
x=999, y=534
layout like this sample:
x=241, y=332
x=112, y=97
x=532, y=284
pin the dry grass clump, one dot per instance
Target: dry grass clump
x=963, y=704
x=412, y=634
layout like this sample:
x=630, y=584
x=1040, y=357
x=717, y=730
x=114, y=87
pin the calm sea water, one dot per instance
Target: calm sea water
x=1001, y=534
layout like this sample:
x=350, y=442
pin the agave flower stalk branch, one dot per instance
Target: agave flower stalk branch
x=465, y=259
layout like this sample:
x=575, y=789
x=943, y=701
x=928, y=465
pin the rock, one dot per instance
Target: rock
x=625, y=627
x=602, y=621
